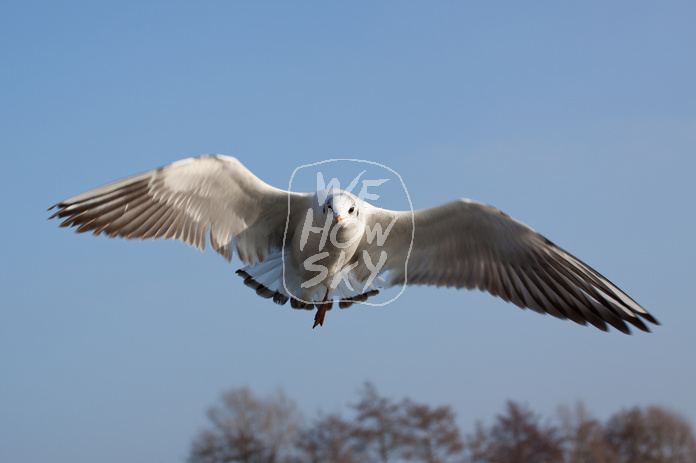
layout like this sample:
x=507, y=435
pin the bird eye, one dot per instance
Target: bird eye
x=329, y=206
x=350, y=211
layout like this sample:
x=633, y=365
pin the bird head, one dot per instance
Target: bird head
x=344, y=207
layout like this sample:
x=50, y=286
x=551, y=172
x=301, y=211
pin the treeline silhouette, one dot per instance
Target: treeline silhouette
x=250, y=429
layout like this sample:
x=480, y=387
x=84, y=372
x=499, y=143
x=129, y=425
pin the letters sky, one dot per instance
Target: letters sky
x=578, y=119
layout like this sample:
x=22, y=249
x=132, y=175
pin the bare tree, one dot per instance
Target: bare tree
x=431, y=434
x=655, y=435
x=673, y=437
x=390, y=431
x=583, y=436
x=330, y=439
x=379, y=425
x=247, y=429
x=518, y=436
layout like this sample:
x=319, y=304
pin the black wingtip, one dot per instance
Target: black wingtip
x=650, y=318
x=56, y=213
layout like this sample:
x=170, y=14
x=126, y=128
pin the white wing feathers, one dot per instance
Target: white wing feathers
x=465, y=244
x=187, y=200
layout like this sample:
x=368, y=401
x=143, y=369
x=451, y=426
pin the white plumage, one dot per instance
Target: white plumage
x=287, y=240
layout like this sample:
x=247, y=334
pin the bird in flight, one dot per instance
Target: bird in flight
x=317, y=247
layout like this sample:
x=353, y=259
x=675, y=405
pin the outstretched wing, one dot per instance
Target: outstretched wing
x=466, y=244
x=187, y=200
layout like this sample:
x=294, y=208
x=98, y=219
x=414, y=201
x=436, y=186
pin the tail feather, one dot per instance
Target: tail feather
x=268, y=280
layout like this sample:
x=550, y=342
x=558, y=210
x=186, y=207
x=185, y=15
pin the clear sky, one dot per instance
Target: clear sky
x=578, y=119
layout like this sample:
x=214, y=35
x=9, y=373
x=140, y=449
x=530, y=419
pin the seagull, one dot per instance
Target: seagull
x=316, y=247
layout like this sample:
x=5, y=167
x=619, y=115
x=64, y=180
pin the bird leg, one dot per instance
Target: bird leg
x=321, y=310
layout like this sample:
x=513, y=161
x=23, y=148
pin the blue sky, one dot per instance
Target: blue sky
x=577, y=119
